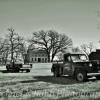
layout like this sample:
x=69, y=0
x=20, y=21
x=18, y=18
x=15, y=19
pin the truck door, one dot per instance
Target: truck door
x=67, y=70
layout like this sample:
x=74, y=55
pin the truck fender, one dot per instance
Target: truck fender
x=79, y=69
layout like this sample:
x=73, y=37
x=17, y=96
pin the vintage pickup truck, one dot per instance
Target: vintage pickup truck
x=16, y=67
x=76, y=65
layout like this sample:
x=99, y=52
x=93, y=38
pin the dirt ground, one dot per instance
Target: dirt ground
x=39, y=84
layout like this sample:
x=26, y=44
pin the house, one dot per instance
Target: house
x=37, y=56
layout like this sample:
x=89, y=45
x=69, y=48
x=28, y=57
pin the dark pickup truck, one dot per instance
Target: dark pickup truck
x=16, y=67
x=76, y=65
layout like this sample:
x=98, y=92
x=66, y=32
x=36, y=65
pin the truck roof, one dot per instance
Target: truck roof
x=74, y=54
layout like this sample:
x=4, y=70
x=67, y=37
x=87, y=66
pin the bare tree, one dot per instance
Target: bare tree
x=13, y=43
x=87, y=48
x=76, y=49
x=4, y=50
x=60, y=56
x=51, y=41
x=59, y=43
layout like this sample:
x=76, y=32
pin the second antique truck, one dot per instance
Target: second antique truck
x=16, y=67
x=76, y=65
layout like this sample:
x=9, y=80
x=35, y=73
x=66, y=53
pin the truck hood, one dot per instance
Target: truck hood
x=83, y=63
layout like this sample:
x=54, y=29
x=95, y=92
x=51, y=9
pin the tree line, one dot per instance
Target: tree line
x=53, y=42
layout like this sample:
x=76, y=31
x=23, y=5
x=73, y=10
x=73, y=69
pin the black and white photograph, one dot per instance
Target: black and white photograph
x=49, y=49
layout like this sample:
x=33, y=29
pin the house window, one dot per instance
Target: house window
x=35, y=59
x=45, y=59
x=39, y=59
x=32, y=59
x=42, y=59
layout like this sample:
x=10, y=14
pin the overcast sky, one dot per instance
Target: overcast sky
x=79, y=19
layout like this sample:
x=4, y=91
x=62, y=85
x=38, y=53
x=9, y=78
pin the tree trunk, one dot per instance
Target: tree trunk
x=12, y=56
x=53, y=55
x=48, y=58
x=48, y=54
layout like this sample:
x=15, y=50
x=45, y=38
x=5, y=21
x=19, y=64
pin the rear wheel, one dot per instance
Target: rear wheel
x=56, y=73
x=81, y=76
x=27, y=70
x=16, y=70
x=8, y=70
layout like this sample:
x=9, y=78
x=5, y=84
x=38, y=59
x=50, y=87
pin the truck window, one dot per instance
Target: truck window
x=77, y=58
x=67, y=59
x=82, y=57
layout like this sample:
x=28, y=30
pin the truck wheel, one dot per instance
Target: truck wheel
x=16, y=70
x=27, y=70
x=56, y=74
x=81, y=76
x=8, y=70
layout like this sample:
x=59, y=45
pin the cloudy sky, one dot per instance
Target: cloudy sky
x=79, y=19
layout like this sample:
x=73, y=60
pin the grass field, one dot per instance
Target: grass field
x=39, y=84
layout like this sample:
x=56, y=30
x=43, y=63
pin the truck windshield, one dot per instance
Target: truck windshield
x=77, y=58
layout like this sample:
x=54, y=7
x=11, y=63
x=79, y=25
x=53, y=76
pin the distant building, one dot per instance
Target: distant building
x=36, y=56
x=95, y=55
x=1, y=58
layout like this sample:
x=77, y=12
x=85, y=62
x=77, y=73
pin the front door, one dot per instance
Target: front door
x=39, y=59
x=67, y=70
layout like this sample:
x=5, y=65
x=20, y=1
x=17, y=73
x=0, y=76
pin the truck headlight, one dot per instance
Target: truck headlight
x=90, y=65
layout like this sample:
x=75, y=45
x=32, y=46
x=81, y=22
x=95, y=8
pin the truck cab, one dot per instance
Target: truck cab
x=76, y=65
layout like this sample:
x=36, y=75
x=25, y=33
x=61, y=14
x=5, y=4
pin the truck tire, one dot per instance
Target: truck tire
x=56, y=73
x=15, y=71
x=81, y=76
x=27, y=70
x=8, y=70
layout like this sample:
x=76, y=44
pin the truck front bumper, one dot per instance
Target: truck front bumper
x=93, y=74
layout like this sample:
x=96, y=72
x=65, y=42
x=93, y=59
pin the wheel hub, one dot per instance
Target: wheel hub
x=80, y=76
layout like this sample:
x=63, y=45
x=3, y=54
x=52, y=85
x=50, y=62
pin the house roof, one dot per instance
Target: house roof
x=37, y=51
